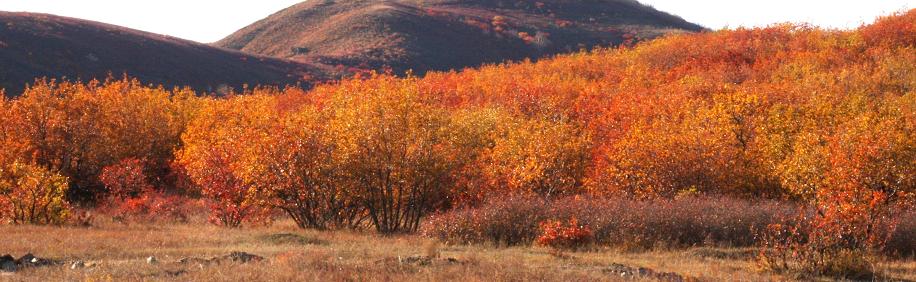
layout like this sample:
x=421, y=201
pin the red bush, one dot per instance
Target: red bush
x=126, y=179
x=154, y=206
x=565, y=236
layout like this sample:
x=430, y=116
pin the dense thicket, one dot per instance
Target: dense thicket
x=818, y=116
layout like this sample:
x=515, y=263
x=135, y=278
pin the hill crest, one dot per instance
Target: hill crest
x=425, y=35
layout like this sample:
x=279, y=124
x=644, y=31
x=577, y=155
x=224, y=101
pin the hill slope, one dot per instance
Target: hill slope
x=446, y=34
x=40, y=45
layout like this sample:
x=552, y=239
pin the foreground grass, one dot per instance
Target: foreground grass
x=120, y=252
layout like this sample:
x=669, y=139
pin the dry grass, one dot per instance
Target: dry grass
x=292, y=254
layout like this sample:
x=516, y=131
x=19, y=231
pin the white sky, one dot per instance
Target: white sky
x=211, y=20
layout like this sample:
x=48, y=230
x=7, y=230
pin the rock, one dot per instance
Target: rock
x=152, y=260
x=239, y=257
x=643, y=273
x=27, y=259
x=6, y=258
x=243, y=257
x=78, y=264
x=8, y=264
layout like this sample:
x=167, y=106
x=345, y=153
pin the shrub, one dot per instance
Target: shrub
x=33, y=195
x=132, y=198
x=614, y=222
x=837, y=239
x=395, y=152
x=509, y=220
x=217, y=157
x=806, y=250
x=125, y=179
x=304, y=177
x=683, y=222
x=564, y=236
x=154, y=206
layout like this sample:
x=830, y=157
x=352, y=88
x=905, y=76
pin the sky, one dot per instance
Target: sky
x=210, y=20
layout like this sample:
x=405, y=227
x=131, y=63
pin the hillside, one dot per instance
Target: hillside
x=40, y=45
x=446, y=34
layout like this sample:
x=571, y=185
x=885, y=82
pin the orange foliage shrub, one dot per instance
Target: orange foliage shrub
x=31, y=194
x=79, y=129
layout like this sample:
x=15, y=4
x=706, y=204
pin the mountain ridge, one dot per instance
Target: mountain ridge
x=446, y=34
x=36, y=45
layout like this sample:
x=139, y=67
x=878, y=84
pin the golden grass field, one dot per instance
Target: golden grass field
x=120, y=253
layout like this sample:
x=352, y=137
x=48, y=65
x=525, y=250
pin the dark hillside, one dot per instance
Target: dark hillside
x=41, y=45
x=446, y=34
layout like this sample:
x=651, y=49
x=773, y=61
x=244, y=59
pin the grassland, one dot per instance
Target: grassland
x=119, y=252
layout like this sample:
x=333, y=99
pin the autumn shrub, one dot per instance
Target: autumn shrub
x=396, y=153
x=220, y=160
x=79, y=129
x=814, y=247
x=125, y=179
x=835, y=237
x=617, y=222
x=563, y=235
x=305, y=178
x=31, y=194
x=153, y=206
x=131, y=196
x=684, y=222
x=233, y=199
x=501, y=220
x=538, y=156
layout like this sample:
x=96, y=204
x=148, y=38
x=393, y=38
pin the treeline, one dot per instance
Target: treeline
x=786, y=112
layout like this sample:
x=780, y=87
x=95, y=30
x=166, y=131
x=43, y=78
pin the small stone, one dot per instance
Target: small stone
x=78, y=264
x=152, y=260
x=8, y=266
x=27, y=258
x=243, y=257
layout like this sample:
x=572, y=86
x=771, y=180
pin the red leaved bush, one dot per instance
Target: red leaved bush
x=131, y=197
x=841, y=237
x=154, y=206
x=556, y=234
x=126, y=179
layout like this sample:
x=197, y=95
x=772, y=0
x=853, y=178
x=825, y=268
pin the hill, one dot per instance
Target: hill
x=446, y=34
x=40, y=45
